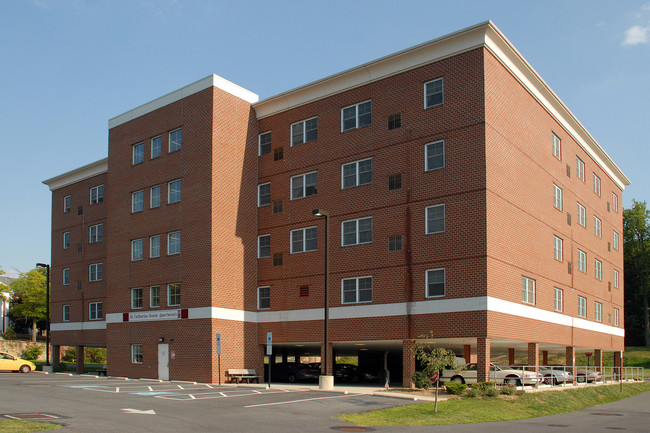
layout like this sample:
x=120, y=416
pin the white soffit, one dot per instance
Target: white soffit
x=77, y=175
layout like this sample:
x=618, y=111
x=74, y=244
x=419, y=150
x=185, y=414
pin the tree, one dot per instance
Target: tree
x=636, y=236
x=28, y=298
x=434, y=360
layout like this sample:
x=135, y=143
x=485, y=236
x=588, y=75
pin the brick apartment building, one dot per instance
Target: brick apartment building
x=464, y=198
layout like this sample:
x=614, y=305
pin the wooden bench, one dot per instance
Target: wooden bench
x=237, y=375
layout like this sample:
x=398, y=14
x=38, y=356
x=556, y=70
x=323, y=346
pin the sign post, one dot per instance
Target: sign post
x=219, y=356
x=269, y=351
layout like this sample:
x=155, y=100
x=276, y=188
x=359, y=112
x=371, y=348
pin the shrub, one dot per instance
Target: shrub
x=421, y=380
x=32, y=353
x=10, y=334
x=455, y=388
x=70, y=355
x=484, y=386
x=95, y=355
x=508, y=390
x=491, y=392
x=474, y=392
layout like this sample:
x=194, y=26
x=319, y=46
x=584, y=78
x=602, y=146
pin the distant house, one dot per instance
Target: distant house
x=5, y=281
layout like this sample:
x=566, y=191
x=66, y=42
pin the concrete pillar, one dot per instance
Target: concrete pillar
x=483, y=356
x=618, y=365
x=570, y=360
x=80, y=360
x=533, y=355
x=544, y=357
x=511, y=355
x=598, y=360
x=408, y=363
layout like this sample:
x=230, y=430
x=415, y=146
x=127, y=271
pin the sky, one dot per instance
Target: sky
x=68, y=66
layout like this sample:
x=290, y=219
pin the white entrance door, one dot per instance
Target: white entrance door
x=163, y=361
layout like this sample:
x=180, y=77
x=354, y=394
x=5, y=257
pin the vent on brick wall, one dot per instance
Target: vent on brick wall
x=568, y=170
x=80, y=247
x=570, y=267
x=609, y=246
x=278, y=206
x=609, y=206
x=80, y=210
x=79, y=286
x=395, y=121
x=277, y=259
x=395, y=181
x=304, y=290
x=278, y=153
x=568, y=218
x=609, y=286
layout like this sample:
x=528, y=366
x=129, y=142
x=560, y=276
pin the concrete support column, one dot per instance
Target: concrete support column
x=80, y=360
x=570, y=360
x=408, y=362
x=618, y=365
x=544, y=357
x=533, y=355
x=483, y=359
x=598, y=360
x=511, y=355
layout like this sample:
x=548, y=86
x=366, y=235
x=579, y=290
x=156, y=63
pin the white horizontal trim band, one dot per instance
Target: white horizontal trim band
x=78, y=326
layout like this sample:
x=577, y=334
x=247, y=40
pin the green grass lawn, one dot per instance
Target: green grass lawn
x=505, y=408
x=26, y=426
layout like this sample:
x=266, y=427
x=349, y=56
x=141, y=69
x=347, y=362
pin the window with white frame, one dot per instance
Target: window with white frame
x=303, y=240
x=582, y=261
x=137, y=201
x=263, y=246
x=136, y=298
x=263, y=298
x=558, y=248
x=175, y=140
x=557, y=196
x=615, y=239
x=264, y=143
x=598, y=269
x=66, y=240
x=137, y=356
x=154, y=296
x=582, y=215
x=356, y=173
x=433, y=93
x=598, y=227
x=434, y=155
x=66, y=276
x=136, y=250
x=138, y=153
x=154, y=246
x=173, y=294
x=596, y=184
x=615, y=278
x=263, y=194
x=174, y=191
x=582, y=306
x=356, y=290
x=173, y=243
x=615, y=202
x=356, y=116
x=66, y=313
x=95, y=272
x=527, y=290
x=67, y=203
x=435, y=219
x=355, y=232
x=304, y=185
x=154, y=196
x=558, y=300
x=435, y=282
x=96, y=233
x=616, y=317
x=598, y=312
x=304, y=131
x=580, y=168
x=96, y=194
x=156, y=144
x=557, y=147
x=96, y=311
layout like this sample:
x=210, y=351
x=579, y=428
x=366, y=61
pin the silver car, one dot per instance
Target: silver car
x=498, y=373
x=555, y=374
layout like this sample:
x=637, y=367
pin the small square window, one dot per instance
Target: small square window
x=395, y=181
x=304, y=240
x=304, y=185
x=302, y=132
x=394, y=121
x=356, y=232
x=395, y=243
x=356, y=173
x=356, y=290
x=356, y=116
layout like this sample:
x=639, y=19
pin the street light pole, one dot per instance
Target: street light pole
x=47, y=312
x=326, y=381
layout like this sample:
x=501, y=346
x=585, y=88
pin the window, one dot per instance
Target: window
x=582, y=215
x=278, y=206
x=96, y=272
x=582, y=261
x=136, y=354
x=96, y=311
x=356, y=116
x=356, y=173
x=173, y=243
x=174, y=191
x=598, y=269
x=264, y=143
x=435, y=219
x=557, y=197
x=303, y=240
x=395, y=243
x=557, y=147
x=615, y=202
x=558, y=248
x=96, y=233
x=394, y=121
x=67, y=203
x=598, y=312
x=615, y=278
x=615, y=239
x=136, y=250
x=263, y=298
x=138, y=153
x=559, y=300
x=582, y=306
x=355, y=232
x=304, y=185
x=278, y=154
x=616, y=322
x=580, y=169
x=434, y=155
x=66, y=276
x=527, y=290
x=154, y=246
x=66, y=313
x=598, y=226
x=596, y=184
x=175, y=140
x=433, y=94
x=154, y=196
x=395, y=181
x=173, y=294
x=96, y=194
x=137, y=201
x=136, y=298
x=263, y=194
x=154, y=296
x=435, y=283
x=356, y=290
x=263, y=246
x=302, y=132
x=155, y=147
x=66, y=240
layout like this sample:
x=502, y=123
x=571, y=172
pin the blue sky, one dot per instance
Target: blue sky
x=67, y=66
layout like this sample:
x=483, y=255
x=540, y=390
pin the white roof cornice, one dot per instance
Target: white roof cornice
x=78, y=174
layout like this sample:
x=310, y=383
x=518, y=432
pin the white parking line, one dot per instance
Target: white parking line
x=215, y=395
x=303, y=400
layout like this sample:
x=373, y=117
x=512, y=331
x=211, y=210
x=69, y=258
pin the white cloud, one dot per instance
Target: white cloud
x=637, y=35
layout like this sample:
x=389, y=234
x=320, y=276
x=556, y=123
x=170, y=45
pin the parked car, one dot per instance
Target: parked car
x=294, y=372
x=9, y=362
x=555, y=374
x=352, y=373
x=498, y=373
x=584, y=375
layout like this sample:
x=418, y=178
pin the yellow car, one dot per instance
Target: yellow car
x=11, y=363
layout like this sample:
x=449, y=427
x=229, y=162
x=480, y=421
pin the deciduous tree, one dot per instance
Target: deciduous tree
x=28, y=298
